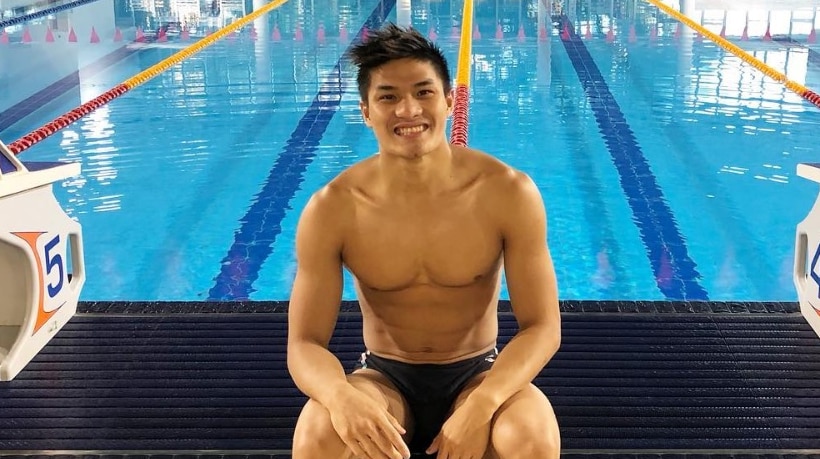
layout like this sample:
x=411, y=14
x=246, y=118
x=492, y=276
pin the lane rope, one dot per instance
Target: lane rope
x=801, y=90
x=43, y=13
x=62, y=121
x=461, y=103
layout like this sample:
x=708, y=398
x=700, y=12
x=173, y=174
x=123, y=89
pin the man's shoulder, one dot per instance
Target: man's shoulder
x=336, y=195
x=499, y=177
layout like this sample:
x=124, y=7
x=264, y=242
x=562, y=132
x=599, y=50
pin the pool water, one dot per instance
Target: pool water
x=667, y=165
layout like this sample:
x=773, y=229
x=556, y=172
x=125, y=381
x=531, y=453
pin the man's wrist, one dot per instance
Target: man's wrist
x=335, y=392
x=486, y=399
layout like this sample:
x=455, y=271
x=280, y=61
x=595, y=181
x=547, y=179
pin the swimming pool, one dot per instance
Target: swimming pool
x=667, y=166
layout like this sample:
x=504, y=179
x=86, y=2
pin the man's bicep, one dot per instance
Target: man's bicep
x=317, y=286
x=314, y=305
x=528, y=266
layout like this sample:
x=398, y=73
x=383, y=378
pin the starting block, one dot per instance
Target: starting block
x=807, y=254
x=42, y=269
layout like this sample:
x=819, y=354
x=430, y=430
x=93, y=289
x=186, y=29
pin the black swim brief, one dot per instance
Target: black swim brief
x=429, y=389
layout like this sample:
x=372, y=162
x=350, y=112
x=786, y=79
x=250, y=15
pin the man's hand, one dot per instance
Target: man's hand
x=369, y=430
x=466, y=433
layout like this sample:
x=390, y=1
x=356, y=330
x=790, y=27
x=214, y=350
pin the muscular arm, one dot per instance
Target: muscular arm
x=315, y=298
x=533, y=294
x=365, y=426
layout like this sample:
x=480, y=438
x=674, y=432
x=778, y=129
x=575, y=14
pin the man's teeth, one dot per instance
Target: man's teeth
x=410, y=130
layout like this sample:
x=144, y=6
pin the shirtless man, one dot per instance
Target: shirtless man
x=424, y=227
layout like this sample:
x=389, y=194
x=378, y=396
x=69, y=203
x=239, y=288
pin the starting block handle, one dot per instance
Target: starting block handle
x=42, y=268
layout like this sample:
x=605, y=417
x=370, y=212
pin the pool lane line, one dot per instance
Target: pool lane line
x=262, y=223
x=675, y=272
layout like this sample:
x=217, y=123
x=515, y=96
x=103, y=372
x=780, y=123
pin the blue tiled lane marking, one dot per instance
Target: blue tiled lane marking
x=262, y=223
x=675, y=272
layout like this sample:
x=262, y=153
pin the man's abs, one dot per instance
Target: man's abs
x=428, y=324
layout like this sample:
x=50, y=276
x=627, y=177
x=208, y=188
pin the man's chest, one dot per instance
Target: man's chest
x=446, y=246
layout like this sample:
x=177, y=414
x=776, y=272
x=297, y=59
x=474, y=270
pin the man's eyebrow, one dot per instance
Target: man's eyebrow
x=387, y=87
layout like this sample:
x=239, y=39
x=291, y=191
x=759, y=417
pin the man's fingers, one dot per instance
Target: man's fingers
x=394, y=432
x=377, y=435
x=359, y=443
x=357, y=450
x=372, y=450
x=384, y=442
x=434, y=445
x=396, y=424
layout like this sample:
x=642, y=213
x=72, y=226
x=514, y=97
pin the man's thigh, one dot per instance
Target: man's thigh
x=527, y=407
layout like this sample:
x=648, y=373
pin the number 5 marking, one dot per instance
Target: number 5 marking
x=52, y=261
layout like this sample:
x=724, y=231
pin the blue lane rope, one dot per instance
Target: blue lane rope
x=42, y=13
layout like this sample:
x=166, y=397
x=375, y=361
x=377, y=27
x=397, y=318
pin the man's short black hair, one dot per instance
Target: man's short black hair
x=390, y=43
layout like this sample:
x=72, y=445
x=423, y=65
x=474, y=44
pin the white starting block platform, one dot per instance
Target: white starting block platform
x=807, y=254
x=41, y=259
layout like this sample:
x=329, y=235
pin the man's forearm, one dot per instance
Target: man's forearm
x=316, y=371
x=521, y=360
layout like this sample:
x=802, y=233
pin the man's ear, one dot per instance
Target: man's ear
x=365, y=112
x=450, y=99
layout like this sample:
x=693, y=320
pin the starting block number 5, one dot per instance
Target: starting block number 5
x=49, y=253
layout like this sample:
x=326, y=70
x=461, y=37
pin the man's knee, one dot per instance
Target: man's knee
x=527, y=430
x=512, y=440
x=315, y=436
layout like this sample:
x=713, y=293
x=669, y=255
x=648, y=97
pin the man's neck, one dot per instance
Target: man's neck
x=427, y=175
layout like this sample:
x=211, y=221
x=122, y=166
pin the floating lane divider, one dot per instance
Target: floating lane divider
x=461, y=104
x=43, y=13
x=801, y=90
x=65, y=120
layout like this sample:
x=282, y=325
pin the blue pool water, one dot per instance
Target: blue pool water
x=667, y=166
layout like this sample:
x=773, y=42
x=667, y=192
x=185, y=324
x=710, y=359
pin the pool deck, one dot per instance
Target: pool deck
x=210, y=378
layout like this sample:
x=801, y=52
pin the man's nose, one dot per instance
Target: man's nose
x=408, y=107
